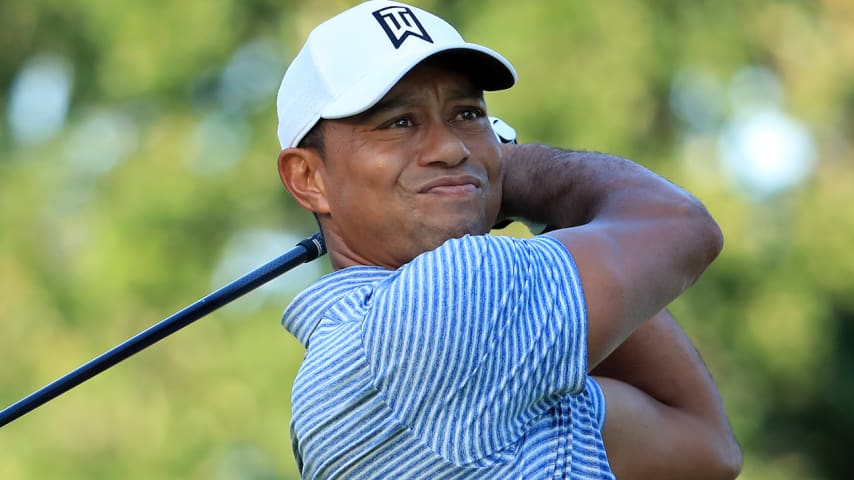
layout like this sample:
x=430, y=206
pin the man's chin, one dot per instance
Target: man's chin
x=441, y=234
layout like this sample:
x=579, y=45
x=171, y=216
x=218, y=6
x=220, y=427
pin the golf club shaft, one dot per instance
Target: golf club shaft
x=305, y=251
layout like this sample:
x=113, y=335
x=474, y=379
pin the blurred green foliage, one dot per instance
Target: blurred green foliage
x=162, y=161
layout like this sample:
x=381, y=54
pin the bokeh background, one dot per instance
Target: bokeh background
x=137, y=173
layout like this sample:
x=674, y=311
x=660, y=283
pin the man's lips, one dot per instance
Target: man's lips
x=465, y=184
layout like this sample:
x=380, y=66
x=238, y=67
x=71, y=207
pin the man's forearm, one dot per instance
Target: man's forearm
x=564, y=188
x=660, y=360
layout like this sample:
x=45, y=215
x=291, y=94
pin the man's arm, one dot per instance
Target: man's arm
x=638, y=240
x=665, y=418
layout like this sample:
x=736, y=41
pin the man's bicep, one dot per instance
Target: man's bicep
x=597, y=259
x=628, y=274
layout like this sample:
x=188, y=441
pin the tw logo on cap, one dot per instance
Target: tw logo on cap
x=399, y=24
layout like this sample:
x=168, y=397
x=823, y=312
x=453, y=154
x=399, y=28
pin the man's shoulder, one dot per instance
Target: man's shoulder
x=471, y=247
x=487, y=260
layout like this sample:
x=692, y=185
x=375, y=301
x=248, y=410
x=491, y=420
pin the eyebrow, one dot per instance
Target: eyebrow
x=402, y=101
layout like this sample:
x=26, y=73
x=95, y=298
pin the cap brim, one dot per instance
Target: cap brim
x=487, y=68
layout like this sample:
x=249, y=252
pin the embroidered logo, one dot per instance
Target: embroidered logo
x=399, y=24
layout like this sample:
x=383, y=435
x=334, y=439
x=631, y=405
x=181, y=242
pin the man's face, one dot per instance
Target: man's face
x=419, y=168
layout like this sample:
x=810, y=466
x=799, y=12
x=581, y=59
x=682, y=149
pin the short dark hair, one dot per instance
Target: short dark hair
x=314, y=138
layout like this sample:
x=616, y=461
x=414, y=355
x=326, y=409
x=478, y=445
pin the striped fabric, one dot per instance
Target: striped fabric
x=468, y=362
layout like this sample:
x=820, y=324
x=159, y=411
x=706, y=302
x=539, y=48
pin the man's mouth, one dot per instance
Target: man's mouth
x=455, y=185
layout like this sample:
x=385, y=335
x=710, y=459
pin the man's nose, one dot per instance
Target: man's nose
x=443, y=146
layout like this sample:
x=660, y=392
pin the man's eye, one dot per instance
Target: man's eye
x=471, y=114
x=400, y=123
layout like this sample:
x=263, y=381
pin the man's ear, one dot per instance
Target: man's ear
x=301, y=171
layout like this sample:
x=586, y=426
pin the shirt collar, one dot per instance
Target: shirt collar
x=307, y=309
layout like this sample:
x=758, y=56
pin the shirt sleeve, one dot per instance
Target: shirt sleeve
x=472, y=342
x=598, y=404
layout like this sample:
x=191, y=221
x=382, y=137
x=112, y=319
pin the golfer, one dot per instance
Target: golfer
x=437, y=350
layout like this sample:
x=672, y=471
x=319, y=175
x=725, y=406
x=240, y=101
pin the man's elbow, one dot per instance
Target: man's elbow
x=727, y=460
x=706, y=238
x=714, y=236
x=734, y=461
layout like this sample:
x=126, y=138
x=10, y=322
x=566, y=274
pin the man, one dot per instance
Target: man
x=436, y=350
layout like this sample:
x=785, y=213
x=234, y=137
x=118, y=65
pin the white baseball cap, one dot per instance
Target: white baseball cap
x=349, y=62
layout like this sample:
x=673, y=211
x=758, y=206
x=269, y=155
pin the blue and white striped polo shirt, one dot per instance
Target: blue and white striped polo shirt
x=468, y=362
